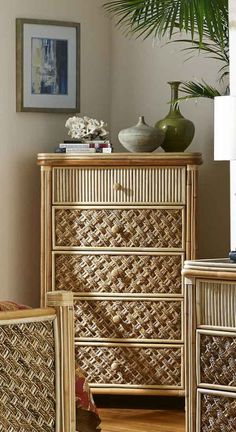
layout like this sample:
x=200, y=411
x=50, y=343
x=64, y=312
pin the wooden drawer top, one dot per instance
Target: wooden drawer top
x=221, y=268
x=120, y=159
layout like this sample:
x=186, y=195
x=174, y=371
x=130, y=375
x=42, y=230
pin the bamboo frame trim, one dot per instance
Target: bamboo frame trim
x=220, y=268
x=123, y=159
x=115, y=252
x=64, y=330
x=190, y=356
x=216, y=393
x=133, y=386
x=123, y=341
x=135, y=345
x=28, y=315
x=46, y=233
x=207, y=274
x=216, y=328
x=58, y=382
x=212, y=264
x=144, y=392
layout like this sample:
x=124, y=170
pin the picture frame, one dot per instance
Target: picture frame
x=47, y=66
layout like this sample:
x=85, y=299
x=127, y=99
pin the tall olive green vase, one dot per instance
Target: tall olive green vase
x=178, y=131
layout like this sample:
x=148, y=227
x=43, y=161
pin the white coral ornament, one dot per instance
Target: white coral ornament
x=85, y=128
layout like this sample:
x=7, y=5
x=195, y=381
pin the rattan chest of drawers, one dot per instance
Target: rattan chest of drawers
x=211, y=346
x=115, y=230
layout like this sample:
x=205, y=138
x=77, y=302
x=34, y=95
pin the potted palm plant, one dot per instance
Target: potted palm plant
x=204, y=22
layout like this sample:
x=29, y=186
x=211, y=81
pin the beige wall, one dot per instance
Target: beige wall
x=23, y=135
x=140, y=71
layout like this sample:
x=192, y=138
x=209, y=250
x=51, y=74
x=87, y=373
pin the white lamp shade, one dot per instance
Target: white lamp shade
x=225, y=128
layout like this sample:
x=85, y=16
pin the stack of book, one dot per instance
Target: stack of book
x=73, y=147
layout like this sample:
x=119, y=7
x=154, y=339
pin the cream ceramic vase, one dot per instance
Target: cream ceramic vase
x=141, y=137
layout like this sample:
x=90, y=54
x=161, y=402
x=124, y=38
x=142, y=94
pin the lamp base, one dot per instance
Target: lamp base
x=232, y=256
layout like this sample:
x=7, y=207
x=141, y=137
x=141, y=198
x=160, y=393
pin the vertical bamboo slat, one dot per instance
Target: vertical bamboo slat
x=191, y=241
x=63, y=303
x=46, y=233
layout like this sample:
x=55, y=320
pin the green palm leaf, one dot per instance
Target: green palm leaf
x=196, y=90
x=152, y=17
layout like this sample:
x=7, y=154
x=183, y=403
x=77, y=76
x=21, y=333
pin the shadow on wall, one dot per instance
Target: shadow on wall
x=214, y=210
x=21, y=273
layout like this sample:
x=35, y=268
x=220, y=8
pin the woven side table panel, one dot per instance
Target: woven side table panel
x=144, y=274
x=131, y=365
x=138, y=319
x=218, y=360
x=132, y=228
x=218, y=413
x=27, y=377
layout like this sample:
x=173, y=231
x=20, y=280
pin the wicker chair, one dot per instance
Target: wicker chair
x=37, y=368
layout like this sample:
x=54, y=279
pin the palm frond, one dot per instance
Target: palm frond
x=198, y=89
x=152, y=17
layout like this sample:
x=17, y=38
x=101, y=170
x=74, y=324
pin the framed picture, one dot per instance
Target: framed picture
x=47, y=66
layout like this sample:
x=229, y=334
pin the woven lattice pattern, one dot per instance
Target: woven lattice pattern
x=218, y=413
x=134, y=366
x=218, y=360
x=149, y=228
x=27, y=377
x=119, y=273
x=128, y=319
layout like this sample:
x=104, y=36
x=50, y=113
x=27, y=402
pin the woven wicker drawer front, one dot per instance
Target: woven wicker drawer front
x=211, y=295
x=157, y=228
x=217, y=413
x=129, y=319
x=217, y=359
x=164, y=185
x=141, y=274
x=27, y=377
x=132, y=365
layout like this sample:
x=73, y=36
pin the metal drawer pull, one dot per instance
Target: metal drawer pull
x=116, y=319
x=114, y=366
x=117, y=186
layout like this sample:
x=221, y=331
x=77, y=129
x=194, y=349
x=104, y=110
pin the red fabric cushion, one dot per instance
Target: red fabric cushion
x=11, y=306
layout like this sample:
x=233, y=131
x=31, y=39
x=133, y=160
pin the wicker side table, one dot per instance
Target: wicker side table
x=211, y=345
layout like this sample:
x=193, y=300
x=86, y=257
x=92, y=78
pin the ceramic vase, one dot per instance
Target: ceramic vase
x=141, y=137
x=178, y=131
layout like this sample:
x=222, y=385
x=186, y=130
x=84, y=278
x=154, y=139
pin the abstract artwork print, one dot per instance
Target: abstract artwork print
x=49, y=66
